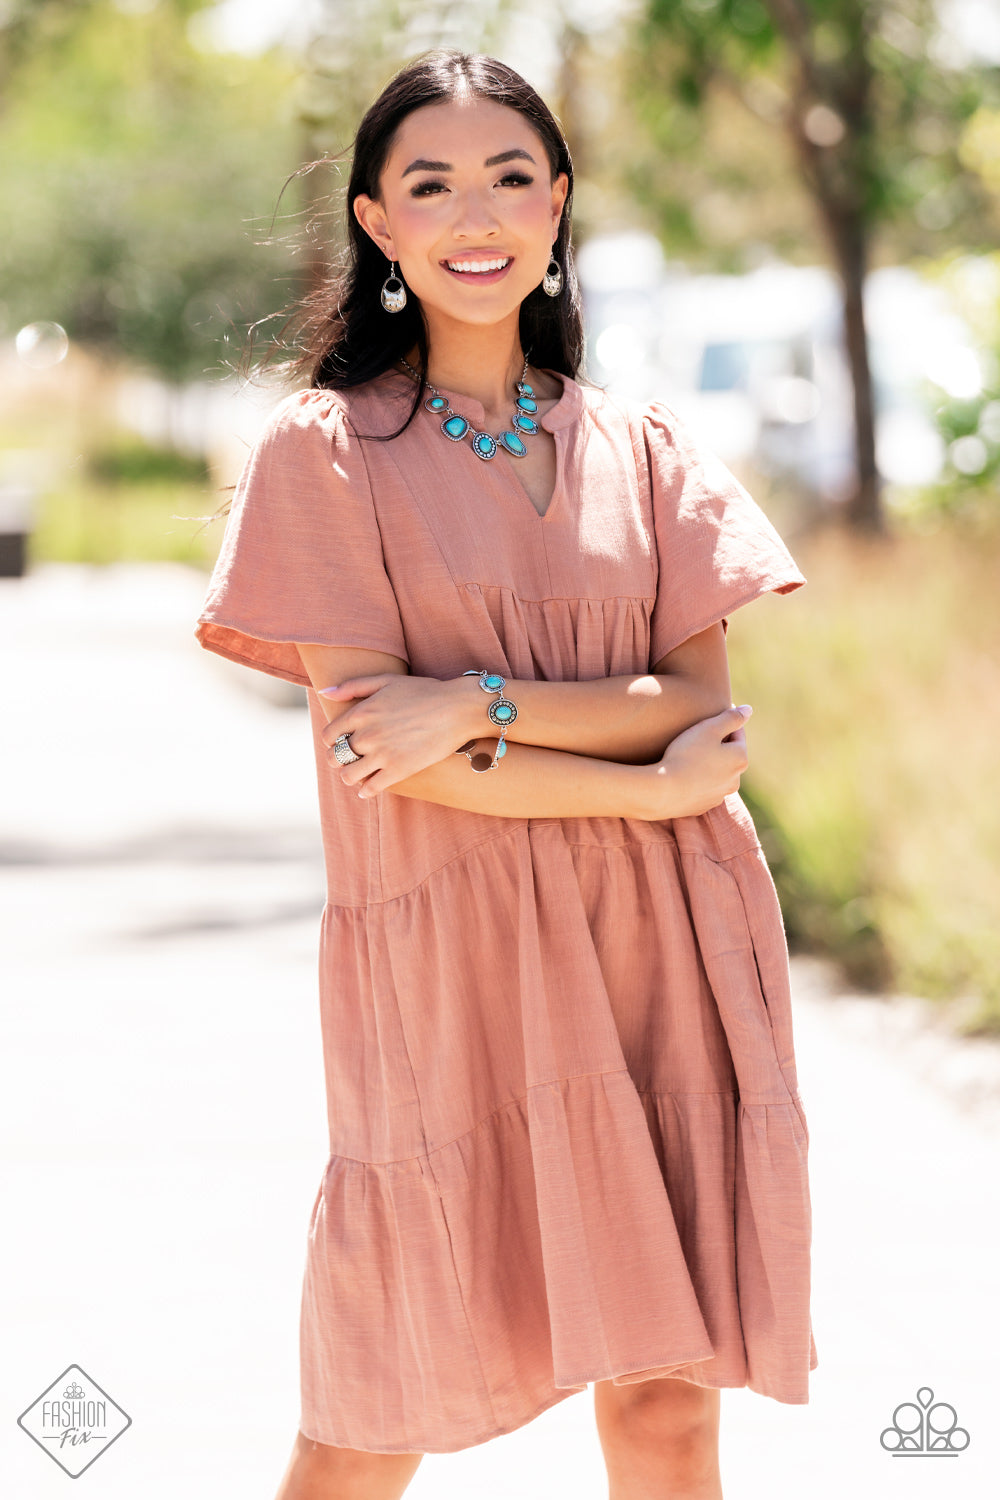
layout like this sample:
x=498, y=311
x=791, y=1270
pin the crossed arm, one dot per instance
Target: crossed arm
x=627, y=719
x=577, y=749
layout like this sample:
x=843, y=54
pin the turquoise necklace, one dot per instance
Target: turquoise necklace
x=484, y=444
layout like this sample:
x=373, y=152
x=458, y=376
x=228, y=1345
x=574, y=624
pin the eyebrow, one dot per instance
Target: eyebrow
x=423, y=165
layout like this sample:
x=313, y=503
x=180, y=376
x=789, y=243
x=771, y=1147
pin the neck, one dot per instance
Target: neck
x=483, y=363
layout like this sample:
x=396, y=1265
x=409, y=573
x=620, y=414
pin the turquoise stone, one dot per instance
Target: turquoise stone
x=501, y=750
x=524, y=388
x=485, y=444
x=494, y=683
x=513, y=444
x=526, y=403
x=502, y=713
x=455, y=428
x=436, y=403
x=525, y=424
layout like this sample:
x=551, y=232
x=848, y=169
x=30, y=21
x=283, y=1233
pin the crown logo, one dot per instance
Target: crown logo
x=924, y=1430
x=74, y=1392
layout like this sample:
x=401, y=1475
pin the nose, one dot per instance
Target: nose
x=475, y=215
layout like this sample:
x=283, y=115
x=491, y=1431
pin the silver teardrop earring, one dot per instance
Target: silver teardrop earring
x=552, y=281
x=393, y=297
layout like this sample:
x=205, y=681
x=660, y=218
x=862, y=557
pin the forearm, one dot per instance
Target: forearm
x=628, y=720
x=530, y=782
x=703, y=766
x=534, y=782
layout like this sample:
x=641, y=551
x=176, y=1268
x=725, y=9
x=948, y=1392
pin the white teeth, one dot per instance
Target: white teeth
x=477, y=265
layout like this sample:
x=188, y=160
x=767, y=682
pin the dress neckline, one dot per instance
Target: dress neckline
x=565, y=410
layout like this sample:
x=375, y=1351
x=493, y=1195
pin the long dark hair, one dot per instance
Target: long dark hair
x=341, y=332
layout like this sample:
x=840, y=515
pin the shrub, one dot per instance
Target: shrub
x=873, y=745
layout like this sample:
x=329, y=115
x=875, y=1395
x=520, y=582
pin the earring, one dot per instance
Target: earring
x=393, y=297
x=552, y=281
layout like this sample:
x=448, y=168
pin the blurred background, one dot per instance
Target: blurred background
x=787, y=226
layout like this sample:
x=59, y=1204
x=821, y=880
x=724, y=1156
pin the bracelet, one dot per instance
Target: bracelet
x=502, y=713
x=480, y=761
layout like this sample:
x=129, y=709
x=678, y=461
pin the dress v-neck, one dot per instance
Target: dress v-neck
x=562, y=413
x=539, y=515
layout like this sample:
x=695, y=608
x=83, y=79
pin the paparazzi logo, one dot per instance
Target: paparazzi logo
x=74, y=1421
x=925, y=1429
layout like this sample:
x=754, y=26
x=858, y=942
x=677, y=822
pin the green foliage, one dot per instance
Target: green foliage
x=706, y=169
x=977, y=418
x=129, y=460
x=969, y=487
x=918, y=150
x=141, y=172
x=86, y=521
x=741, y=28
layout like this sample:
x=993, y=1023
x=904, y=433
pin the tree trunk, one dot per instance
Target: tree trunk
x=850, y=247
x=838, y=172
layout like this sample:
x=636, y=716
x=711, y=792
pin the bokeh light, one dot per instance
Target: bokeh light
x=41, y=345
x=969, y=454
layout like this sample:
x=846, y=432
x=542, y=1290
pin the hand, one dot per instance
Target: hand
x=400, y=725
x=702, y=766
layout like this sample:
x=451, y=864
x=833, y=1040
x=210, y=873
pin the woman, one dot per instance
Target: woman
x=567, y=1144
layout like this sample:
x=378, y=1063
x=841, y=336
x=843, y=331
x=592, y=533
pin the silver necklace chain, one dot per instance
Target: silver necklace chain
x=484, y=444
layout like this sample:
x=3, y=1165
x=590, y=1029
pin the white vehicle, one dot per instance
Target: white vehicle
x=756, y=364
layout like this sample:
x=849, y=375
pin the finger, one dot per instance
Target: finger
x=335, y=728
x=346, y=723
x=733, y=719
x=373, y=784
x=354, y=687
x=740, y=755
x=738, y=714
x=331, y=742
x=353, y=774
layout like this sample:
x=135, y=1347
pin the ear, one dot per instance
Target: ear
x=560, y=189
x=371, y=216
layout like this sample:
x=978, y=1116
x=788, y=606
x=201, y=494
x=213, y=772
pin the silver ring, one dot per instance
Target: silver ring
x=342, y=750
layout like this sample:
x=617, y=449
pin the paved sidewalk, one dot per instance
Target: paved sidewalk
x=164, y=1123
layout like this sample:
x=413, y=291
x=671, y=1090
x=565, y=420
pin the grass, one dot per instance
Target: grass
x=103, y=494
x=876, y=693
x=95, y=521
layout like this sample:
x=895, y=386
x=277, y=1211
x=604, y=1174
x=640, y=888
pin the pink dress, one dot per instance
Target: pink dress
x=566, y=1138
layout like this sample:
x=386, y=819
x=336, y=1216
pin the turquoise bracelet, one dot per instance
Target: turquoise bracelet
x=502, y=713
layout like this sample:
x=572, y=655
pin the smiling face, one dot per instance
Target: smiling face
x=468, y=208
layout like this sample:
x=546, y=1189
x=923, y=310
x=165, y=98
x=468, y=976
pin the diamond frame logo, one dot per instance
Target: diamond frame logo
x=71, y=1414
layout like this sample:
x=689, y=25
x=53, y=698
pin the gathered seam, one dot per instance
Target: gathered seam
x=523, y=1099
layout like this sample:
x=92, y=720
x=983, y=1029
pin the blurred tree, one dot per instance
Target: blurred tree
x=876, y=104
x=969, y=423
x=25, y=24
x=134, y=167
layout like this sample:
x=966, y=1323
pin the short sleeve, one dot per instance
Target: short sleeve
x=716, y=548
x=301, y=559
